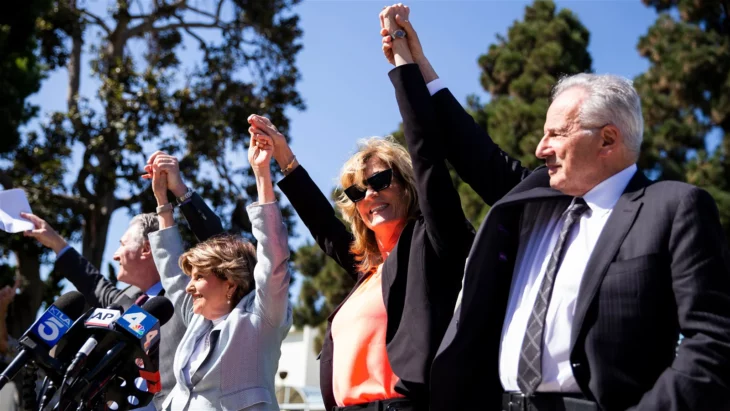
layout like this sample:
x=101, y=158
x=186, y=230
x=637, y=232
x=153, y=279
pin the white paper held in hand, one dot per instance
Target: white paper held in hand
x=12, y=203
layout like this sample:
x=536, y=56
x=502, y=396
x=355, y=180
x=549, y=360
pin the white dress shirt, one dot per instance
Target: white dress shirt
x=537, y=240
x=202, y=347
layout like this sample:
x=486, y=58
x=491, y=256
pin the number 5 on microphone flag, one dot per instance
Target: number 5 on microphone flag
x=52, y=325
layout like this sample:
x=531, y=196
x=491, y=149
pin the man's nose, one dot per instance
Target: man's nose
x=543, y=150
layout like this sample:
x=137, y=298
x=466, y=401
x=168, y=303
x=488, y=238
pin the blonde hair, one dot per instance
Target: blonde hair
x=387, y=150
x=228, y=257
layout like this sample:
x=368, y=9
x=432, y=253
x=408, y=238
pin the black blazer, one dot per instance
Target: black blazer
x=101, y=293
x=660, y=267
x=421, y=277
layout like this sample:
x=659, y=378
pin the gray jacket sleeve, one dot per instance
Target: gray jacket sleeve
x=272, y=272
x=167, y=247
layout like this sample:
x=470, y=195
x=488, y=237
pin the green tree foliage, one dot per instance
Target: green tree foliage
x=686, y=95
x=21, y=70
x=147, y=99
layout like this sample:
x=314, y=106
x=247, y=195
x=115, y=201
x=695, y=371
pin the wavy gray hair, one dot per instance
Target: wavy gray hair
x=144, y=225
x=611, y=100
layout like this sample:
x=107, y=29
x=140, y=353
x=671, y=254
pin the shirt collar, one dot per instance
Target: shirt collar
x=217, y=322
x=155, y=290
x=605, y=195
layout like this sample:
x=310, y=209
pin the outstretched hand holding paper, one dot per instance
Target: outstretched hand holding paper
x=12, y=203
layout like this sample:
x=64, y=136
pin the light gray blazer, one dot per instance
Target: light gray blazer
x=239, y=367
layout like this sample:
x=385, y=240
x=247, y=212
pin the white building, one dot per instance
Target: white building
x=297, y=379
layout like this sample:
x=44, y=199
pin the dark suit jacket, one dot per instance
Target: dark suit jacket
x=660, y=267
x=101, y=293
x=421, y=277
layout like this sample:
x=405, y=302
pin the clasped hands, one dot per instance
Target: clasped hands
x=399, y=51
x=164, y=169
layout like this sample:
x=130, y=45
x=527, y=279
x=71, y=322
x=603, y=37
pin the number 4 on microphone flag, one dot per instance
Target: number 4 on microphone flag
x=142, y=325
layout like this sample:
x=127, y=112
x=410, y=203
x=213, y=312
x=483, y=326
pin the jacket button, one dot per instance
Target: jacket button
x=577, y=365
x=392, y=408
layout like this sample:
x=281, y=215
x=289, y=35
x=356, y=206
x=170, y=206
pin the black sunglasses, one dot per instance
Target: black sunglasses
x=378, y=182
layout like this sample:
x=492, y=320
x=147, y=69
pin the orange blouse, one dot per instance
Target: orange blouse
x=361, y=370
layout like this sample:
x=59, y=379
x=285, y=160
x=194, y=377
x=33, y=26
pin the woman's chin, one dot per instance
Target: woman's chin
x=197, y=308
x=384, y=223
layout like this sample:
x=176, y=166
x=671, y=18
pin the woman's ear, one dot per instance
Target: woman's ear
x=232, y=287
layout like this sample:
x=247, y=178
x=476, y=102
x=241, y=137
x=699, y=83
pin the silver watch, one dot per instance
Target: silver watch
x=183, y=198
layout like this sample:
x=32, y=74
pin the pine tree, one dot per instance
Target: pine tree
x=686, y=95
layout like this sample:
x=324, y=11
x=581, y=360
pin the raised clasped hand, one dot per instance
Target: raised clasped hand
x=397, y=17
x=168, y=169
x=260, y=152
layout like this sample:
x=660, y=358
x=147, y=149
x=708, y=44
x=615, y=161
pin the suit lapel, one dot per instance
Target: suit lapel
x=618, y=225
x=189, y=344
x=535, y=187
x=212, y=345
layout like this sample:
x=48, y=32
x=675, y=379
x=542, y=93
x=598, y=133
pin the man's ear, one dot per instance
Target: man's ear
x=146, y=249
x=611, y=139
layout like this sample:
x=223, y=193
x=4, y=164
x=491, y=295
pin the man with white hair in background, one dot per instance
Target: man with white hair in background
x=136, y=267
x=584, y=273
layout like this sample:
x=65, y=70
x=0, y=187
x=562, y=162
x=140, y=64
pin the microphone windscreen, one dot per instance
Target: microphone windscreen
x=161, y=308
x=73, y=304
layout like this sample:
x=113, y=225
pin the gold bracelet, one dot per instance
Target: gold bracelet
x=289, y=166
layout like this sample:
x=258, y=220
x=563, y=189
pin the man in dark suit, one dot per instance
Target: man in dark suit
x=585, y=272
x=136, y=268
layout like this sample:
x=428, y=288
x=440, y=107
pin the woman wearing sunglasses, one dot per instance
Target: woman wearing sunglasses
x=405, y=247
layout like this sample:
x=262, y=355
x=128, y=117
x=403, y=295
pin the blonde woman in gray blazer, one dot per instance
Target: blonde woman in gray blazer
x=236, y=309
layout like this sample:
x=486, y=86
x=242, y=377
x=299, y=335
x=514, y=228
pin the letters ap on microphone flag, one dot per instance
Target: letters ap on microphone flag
x=102, y=317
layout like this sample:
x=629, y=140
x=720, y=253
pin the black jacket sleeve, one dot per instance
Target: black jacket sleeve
x=319, y=216
x=97, y=290
x=475, y=157
x=203, y=222
x=448, y=229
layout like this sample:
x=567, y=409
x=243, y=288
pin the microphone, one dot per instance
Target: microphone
x=45, y=333
x=121, y=356
x=100, y=318
x=144, y=322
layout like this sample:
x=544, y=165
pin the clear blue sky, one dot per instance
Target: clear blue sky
x=344, y=75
